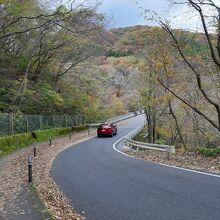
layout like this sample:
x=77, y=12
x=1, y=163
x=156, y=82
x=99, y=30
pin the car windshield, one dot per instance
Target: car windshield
x=104, y=125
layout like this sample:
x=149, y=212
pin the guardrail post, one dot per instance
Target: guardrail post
x=173, y=150
x=70, y=136
x=168, y=150
x=126, y=143
x=50, y=141
x=133, y=147
x=136, y=145
x=168, y=155
x=29, y=169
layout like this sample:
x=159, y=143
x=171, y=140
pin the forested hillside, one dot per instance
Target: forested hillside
x=39, y=47
x=174, y=79
x=53, y=61
x=63, y=61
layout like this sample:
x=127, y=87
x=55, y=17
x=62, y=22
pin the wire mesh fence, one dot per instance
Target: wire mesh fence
x=13, y=124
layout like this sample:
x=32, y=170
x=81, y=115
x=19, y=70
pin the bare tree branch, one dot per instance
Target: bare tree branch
x=198, y=78
x=189, y=105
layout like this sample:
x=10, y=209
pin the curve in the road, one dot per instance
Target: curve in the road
x=107, y=185
x=166, y=165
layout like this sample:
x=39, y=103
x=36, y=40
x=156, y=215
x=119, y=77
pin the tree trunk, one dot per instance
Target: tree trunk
x=177, y=124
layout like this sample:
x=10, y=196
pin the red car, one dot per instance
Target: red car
x=107, y=129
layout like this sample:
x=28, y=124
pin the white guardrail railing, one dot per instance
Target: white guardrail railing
x=114, y=120
x=142, y=145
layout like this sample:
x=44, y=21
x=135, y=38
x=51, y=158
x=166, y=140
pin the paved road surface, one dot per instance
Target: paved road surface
x=108, y=185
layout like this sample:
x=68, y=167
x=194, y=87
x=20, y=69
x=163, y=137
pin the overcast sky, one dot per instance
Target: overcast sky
x=127, y=13
x=124, y=13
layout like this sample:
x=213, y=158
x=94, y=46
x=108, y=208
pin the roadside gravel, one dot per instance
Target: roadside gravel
x=190, y=160
x=16, y=202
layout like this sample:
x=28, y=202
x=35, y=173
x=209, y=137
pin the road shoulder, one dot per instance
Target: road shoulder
x=19, y=201
x=188, y=160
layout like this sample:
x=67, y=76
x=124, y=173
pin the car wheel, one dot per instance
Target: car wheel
x=98, y=135
x=112, y=134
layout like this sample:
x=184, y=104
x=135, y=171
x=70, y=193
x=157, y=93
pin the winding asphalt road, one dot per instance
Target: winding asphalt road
x=104, y=184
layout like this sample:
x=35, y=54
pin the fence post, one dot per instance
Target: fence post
x=41, y=121
x=74, y=118
x=54, y=121
x=84, y=119
x=70, y=120
x=65, y=117
x=27, y=124
x=11, y=123
x=81, y=119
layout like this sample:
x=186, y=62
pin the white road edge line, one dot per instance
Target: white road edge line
x=114, y=147
x=179, y=168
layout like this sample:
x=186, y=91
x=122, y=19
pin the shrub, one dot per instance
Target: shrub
x=141, y=136
x=160, y=141
x=79, y=128
x=209, y=152
x=10, y=143
x=113, y=53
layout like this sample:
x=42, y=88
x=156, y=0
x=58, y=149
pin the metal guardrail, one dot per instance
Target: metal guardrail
x=142, y=145
x=137, y=144
x=121, y=118
x=114, y=120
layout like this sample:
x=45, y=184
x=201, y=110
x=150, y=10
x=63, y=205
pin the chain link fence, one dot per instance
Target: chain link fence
x=13, y=124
